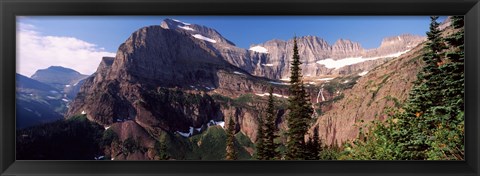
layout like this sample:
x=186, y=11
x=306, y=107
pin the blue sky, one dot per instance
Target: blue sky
x=106, y=33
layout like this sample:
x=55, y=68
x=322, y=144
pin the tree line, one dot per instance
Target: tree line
x=298, y=121
x=429, y=125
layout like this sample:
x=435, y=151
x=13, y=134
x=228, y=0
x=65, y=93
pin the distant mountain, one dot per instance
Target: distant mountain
x=67, y=80
x=58, y=76
x=170, y=82
x=37, y=103
x=319, y=58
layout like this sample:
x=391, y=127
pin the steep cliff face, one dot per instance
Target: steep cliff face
x=272, y=58
x=152, y=58
x=386, y=86
x=319, y=58
x=178, y=79
x=163, y=80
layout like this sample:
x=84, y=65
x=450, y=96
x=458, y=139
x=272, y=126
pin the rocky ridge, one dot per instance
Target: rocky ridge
x=168, y=79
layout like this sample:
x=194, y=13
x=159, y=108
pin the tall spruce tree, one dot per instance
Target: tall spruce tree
x=270, y=134
x=424, y=95
x=425, y=92
x=448, y=116
x=260, y=144
x=300, y=110
x=231, y=152
x=431, y=127
x=455, y=76
x=314, y=146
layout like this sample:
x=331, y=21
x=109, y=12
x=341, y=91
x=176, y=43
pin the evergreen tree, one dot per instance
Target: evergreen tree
x=300, y=110
x=162, y=153
x=314, y=146
x=448, y=116
x=270, y=147
x=432, y=123
x=259, y=145
x=231, y=152
x=424, y=95
x=455, y=76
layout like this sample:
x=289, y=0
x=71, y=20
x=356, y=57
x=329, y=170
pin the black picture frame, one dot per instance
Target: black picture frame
x=11, y=8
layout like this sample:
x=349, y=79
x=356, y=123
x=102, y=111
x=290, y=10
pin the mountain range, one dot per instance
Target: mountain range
x=179, y=83
x=44, y=97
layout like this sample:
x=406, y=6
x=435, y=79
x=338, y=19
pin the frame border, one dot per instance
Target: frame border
x=9, y=9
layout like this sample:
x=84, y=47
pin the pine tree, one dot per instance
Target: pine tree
x=259, y=145
x=455, y=76
x=314, y=146
x=425, y=92
x=424, y=95
x=300, y=110
x=270, y=147
x=432, y=123
x=231, y=152
x=448, y=116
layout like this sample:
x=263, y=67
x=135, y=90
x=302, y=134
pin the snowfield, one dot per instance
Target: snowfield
x=325, y=79
x=259, y=49
x=186, y=28
x=178, y=21
x=268, y=65
x=221, y=123
x=279, y=83
x=201, y=37
x=336, y=64
x=238, y=73
x=274, y=94
x=363, y=73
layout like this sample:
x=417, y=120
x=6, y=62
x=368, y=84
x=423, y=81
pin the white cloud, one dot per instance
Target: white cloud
x=36, y=51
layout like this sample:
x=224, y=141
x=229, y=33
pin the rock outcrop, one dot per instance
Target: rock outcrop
x=272, y=58
x=384, y=87
x=176, y=77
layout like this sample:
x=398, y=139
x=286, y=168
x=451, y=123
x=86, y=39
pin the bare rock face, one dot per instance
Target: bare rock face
x=346, y=48
x=162, y=79
x=392, y=45
x=386, y=86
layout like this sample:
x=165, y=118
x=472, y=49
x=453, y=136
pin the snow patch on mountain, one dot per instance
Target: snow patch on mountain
x=279, y=83
x=363, y=73
x=259, y=49
x=336, y=64
x=190, y=133
x=238, y=73
x=268, y=65
x=221, y=123
x=274, y=94
x=186, y=28
x=325, y=79
x=201, y=37
x=178, y=21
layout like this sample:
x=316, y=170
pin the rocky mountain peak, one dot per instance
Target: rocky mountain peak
x=345, y=48
x=346, y=44
x=400, y=40
x=197, y=31
x=447, y=22
x=57, y=75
